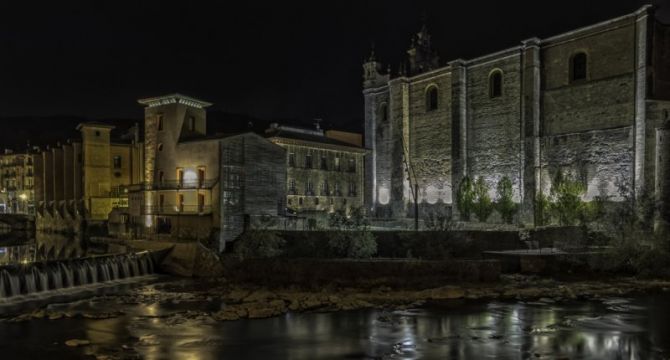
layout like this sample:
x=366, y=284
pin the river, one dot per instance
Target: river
x=159, y=320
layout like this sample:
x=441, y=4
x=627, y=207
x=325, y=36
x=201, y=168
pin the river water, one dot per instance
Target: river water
x=154, y=326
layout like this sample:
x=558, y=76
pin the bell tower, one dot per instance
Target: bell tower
x=372, y=72
x=421, y=55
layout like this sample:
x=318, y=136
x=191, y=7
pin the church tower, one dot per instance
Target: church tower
x=372, y=72
x=422, y=57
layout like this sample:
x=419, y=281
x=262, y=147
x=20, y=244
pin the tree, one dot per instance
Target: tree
x=482, y=205
x=505, y=204
x=465, y=198
x=567, y=202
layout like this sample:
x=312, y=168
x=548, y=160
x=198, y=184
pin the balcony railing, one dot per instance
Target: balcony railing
x=175, y=185
x=176, y=209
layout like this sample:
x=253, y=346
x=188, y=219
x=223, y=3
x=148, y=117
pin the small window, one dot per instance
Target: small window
x=384, y=112
x=495, y=84
x=300, y=201
x=161, y=176
x=352, y=165
x=308, y=161
x=191, y=123
x=579, y=67
x=97, y=133
x=117, y=162
x=291, y=159
x=337, y=164
x=160, y=147
x=431, y=98
x=316, y=201
x=160, y=122
x=324, y=163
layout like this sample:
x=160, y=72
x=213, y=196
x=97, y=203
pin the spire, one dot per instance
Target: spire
x=422, y=57
x=372, y=71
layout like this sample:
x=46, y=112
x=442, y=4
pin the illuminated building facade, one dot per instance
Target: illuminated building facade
x=88, y=178
x=324, y=169
x=590, y=102
x=17, y=183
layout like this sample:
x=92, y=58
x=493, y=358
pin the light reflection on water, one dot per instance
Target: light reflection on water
x=632, y=329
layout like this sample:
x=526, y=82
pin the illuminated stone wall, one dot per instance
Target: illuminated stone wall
x=601, y=129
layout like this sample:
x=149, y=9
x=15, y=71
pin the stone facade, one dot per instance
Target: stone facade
x=85, y=179
x=324, y=170
x=588, y=102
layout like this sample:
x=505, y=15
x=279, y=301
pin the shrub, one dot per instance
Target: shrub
x=542, y=210
x=482, y=205
x=259, y=244
x=505, y=204
x=567, y=199
x=352, y=244
x=465, y=198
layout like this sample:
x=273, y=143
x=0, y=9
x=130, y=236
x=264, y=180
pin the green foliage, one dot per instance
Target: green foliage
x=438, y=220
x=567, y=203
x=353, y=238
x=254, y=244
x=354, y=244
x=355, y=220
x=465, y=198
x=542, y=210
x=505, y=204
x=482, y=206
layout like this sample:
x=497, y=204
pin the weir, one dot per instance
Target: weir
x=34, y=278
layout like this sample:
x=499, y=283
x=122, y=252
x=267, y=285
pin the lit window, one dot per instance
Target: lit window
x=117, y=162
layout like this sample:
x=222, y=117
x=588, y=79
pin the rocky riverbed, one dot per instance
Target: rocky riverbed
x=244, y=301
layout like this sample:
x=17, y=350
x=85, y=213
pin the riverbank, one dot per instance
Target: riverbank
x=246, y=301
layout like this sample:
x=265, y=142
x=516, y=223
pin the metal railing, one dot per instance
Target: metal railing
x=176, y=209
x=175, y=185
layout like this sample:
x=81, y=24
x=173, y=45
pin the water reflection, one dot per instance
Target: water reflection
x=617, y=329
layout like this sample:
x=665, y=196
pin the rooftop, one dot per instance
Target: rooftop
x=175, y=98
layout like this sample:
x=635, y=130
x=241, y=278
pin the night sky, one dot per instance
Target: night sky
x=271, y=60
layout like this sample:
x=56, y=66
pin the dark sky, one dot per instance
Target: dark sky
x=274, y=59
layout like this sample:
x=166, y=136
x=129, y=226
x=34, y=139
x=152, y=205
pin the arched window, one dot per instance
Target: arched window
x=384, y=112
x=495, y=84
x=578, y=67
x=431, y=98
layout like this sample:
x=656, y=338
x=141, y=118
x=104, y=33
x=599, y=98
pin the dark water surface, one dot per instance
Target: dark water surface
x=614, y=328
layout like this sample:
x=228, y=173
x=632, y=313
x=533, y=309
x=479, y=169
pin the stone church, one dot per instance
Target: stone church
x=593, y=102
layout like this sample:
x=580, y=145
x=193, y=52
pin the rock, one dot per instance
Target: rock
x=259, y=310
x=260, y=295
x=77, y=342
x=237, y=295
x=446, y=293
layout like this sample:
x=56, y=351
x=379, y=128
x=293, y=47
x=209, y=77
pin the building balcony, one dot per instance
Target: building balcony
x=175, y=185
x=176, y=210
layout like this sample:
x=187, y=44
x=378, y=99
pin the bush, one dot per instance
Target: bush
x=465, y=198
x=505, y=204
x=482, y=205
x=352, y=244
x=567, y=203
x=259, y=244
